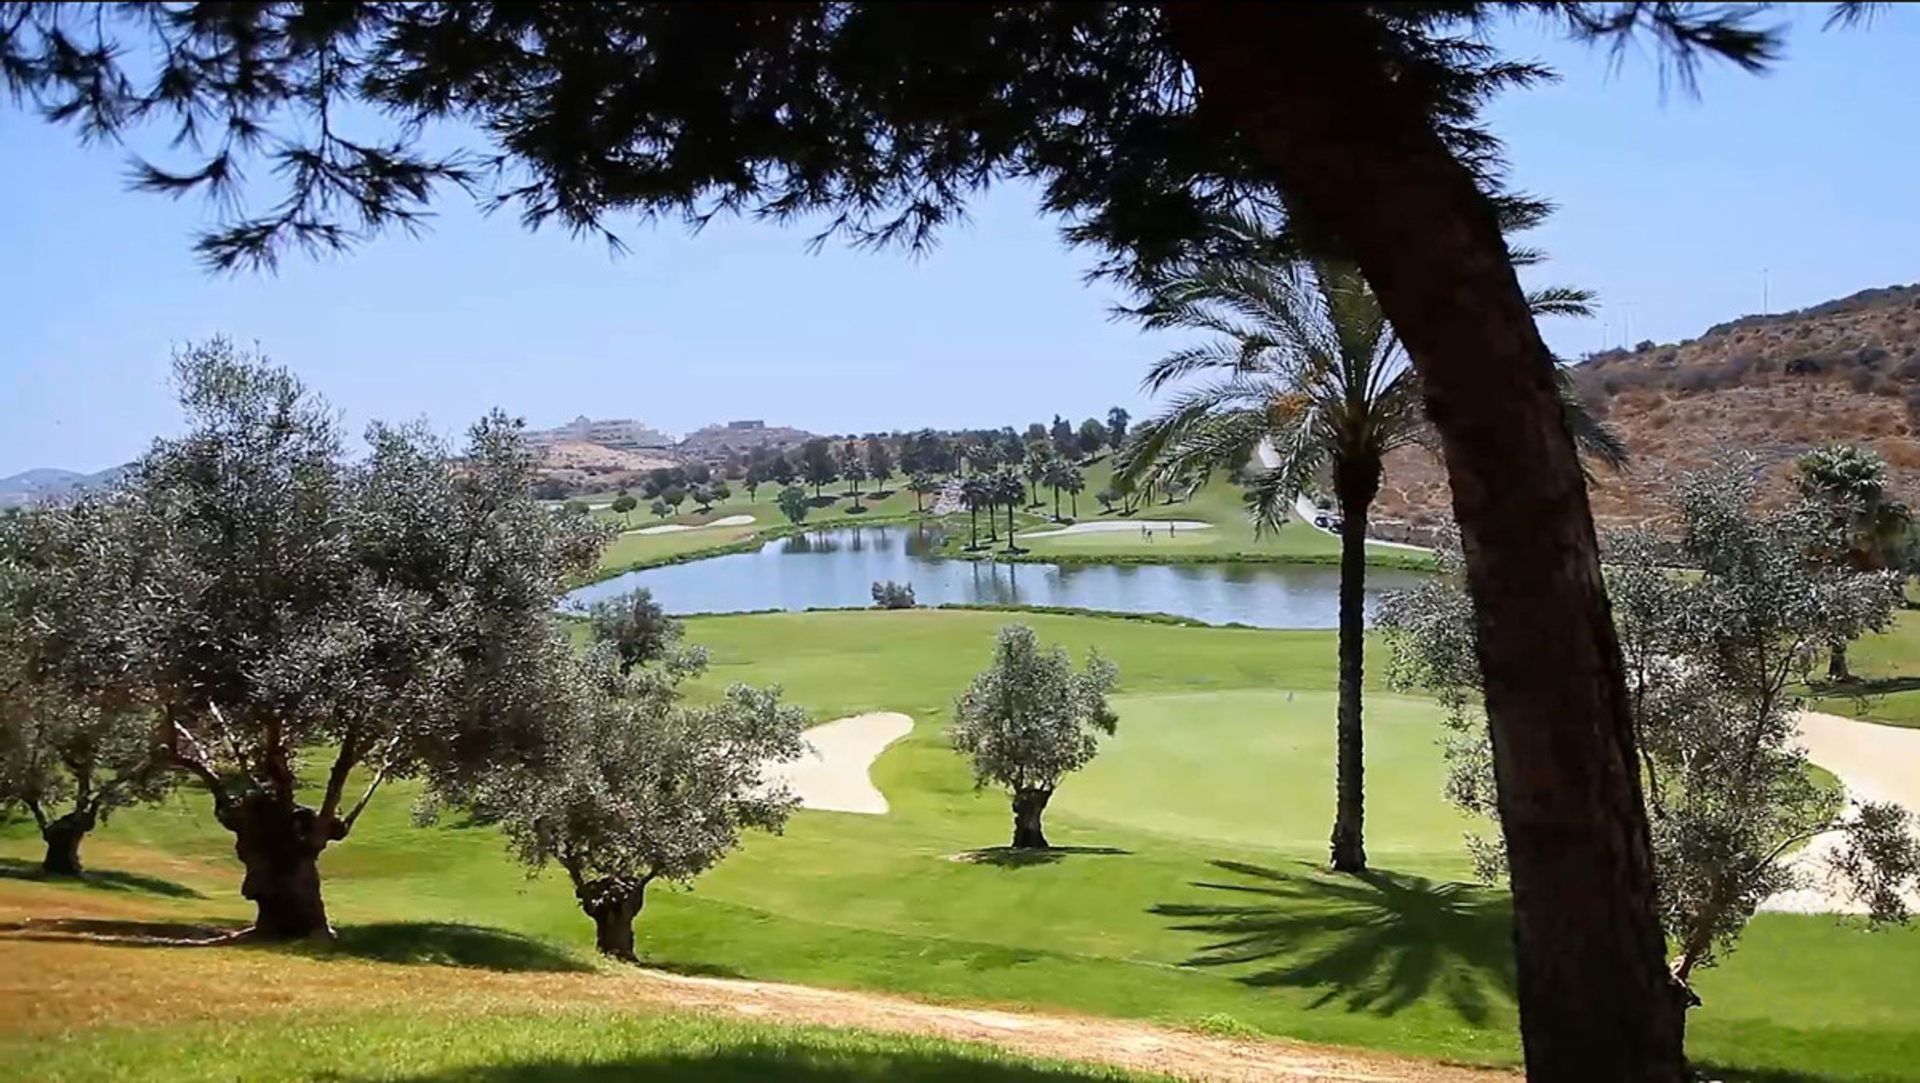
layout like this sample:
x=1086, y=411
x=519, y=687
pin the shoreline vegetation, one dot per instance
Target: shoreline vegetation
x=1229, y=537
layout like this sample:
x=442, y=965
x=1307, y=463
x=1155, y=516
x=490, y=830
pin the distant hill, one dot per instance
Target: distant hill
x=49, y=483
x=1844, y=371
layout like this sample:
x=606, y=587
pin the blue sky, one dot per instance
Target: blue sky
x=1670, y=207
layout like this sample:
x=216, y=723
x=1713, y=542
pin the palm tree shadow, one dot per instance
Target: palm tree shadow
x=1377, y=942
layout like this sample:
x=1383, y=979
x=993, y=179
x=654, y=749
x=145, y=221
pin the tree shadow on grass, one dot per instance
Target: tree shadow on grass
x=445, y=943
x=1006, y=857
x=756, y=1060
x=145, y=934
x=13, y=868
x=1377, y=942
x=418, y=943
x=1863, y=687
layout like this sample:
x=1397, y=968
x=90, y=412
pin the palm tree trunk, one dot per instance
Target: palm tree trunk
x=1355, y=151
x=1356, y=483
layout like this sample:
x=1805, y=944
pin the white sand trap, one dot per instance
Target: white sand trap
x=832, y=775
x=1875, y=763
x=675, y=528
x=1109, y=526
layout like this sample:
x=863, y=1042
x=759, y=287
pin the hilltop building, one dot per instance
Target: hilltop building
x=622, y=434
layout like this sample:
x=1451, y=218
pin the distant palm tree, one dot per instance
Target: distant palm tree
x=1874, y=528
x=1035, y=467
x=920, y=485
x=1307, y=374
x=975, y=492
x=1073, y=481
x=1055, y=478
x=1009, y=491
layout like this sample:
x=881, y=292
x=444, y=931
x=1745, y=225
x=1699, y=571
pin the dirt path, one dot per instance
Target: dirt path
x=61, y=976
x=1875, y=763
x=1134, y=1046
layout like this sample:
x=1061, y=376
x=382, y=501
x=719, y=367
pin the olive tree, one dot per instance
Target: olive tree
x=1711, y=652
x=1030, y=719
x=385, y=616
x=634, y=627
x=73, y=747
x=793, y=504
x=643, y=787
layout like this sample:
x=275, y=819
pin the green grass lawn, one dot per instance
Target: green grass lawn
x=1193, y=892
x=1888, y=665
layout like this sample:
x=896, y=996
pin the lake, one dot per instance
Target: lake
x=835, y=568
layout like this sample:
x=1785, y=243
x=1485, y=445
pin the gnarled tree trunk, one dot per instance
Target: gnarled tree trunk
x=613, y=902
x=63, y=837
x=1837, y=669
x=1317, y=98
x=1028, y=807
x=279, y=845
x=1356, y=482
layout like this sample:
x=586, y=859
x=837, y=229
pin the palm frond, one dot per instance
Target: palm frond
x=1289, y=460
x=1138, y=460
x=1236, y=356
x=1561, y=301
x=1597, y=440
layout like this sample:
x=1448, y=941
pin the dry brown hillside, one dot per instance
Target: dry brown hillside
x=1844, y=371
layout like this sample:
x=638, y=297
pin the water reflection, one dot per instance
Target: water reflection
x=827, y=568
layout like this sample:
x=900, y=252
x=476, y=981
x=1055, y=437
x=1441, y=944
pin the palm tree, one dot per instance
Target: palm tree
x=974, y=493
x=921, y=484
x=1055, y=478
x=1035, y=467
x=1872, y=528
x=1009, y=491
x=1072, y=481
x=1305, y=372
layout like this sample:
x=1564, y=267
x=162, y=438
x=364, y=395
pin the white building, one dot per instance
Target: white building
x=624, y=434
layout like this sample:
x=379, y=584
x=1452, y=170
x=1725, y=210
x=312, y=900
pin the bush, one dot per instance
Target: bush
x=888, y=594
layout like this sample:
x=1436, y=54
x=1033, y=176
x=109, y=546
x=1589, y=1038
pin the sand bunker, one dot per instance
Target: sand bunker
x=1874, y=763
x=675, y=528
x=833, y=775
x=1109, y=526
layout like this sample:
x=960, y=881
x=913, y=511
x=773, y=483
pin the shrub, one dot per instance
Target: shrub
x=888, y=594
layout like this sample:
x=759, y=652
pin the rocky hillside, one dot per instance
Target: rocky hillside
x=1844, y=371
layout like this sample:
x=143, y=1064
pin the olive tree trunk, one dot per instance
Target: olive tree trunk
x=1356, y=482
x=614, y=903
x=1356, y=152
x=279, y=845
x=63, y=837
x=1029, y=805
